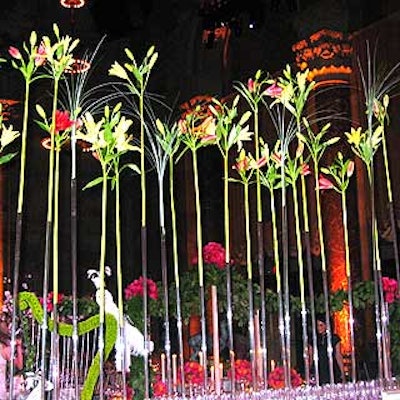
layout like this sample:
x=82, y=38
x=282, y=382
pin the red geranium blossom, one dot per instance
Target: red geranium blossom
x=49, y=301
x=389, y=289
x=242, y=371
x=159, y=387
x=276, y=378
x=135, y=288
x=194, y=372
x=213, y=253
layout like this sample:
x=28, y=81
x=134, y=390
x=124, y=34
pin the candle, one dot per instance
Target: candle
x=214, y=303
x=162, y=367
x=272, y=365
x=201, y=361
x=174, y=371
x=212, y=374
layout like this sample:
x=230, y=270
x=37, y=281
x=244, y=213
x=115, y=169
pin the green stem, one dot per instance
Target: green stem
x=249, y=282
x=324, y=274
x=229, y=315
x=23, y=149
x=301, y=284
x=349, y=287
x=142, y=158
x=101, y=299
x=176, y=268
x=200, y=263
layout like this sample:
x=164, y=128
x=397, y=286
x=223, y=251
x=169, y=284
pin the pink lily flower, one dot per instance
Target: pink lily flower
x=324, y=183
x=14, y=52
x=274, y=90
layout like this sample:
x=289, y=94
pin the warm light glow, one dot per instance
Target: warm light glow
x=7, y=105
x=78, y=66
x=72, y=3
x=326, y=54
x=341, y=323
x=219, y=33
x=329, y=70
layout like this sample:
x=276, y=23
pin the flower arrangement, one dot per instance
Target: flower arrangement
x=242, y=371
x=134, y=300
x=276, y=379
x=194, y=373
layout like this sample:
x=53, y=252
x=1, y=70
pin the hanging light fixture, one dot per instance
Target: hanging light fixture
x=79, y=65
x=73, y=3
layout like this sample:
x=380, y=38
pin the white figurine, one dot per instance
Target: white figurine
x=34, y=382
x=133, y=342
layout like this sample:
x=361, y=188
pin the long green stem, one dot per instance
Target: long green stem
x=164, y=276
x=229, y=315
x=286, y=358
x=18, y=230
x=278, y=276
x=102, y=276
x=301, y=285
x=144, y=241
x=55, y=339
x=310, y=275
x=324, y=274
x=260, y=251
x=200, y=263
x=391, y=208
x=250, y=283
x=349, y=287
x=176, y=270
x=121, y=322
x=49, y=228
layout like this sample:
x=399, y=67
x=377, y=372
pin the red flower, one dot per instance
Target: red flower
x=389, y=289
x=324, y=183
x=15, y=53
x=49, y=301
x=242, y=371
x=194, y=372
x=276, y=378
x=63, y=122
x=159, y=387
x=135, y=288
x=213, y=253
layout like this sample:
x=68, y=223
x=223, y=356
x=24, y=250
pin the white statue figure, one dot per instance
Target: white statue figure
x=133, y=342
x=33, y=382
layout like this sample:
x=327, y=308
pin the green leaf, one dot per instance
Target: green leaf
x=94, y=182
x=7, y=157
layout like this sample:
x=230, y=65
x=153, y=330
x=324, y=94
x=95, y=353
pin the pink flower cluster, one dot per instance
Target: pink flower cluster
x=213, y=253
x=135, y=289
x=390, y=289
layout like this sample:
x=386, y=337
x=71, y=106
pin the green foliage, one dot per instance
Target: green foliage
x=28, y=300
